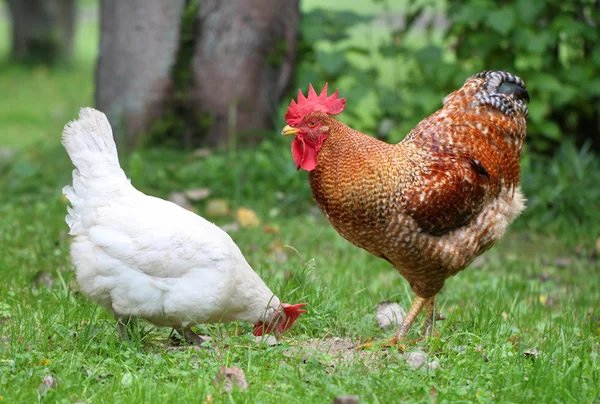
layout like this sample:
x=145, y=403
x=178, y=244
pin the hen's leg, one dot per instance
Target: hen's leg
x=414, y=310
x=190, y=335
x=124, y=324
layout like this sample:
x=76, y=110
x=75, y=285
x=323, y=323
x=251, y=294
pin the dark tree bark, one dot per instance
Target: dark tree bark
x=243, y=63
x=138, y=47
x=42, y=30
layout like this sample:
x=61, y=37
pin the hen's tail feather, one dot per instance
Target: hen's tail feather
x=91, y=147
x=89, y=141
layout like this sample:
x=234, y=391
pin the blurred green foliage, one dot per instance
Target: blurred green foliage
x=406, y=62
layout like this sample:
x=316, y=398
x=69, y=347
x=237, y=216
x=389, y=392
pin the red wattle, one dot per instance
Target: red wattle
x=304, y=154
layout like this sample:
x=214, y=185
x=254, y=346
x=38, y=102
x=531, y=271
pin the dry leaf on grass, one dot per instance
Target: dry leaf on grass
x=230, y=227
x=228, y=378
x=247, y=218
x=217, y=208
x=269, y=229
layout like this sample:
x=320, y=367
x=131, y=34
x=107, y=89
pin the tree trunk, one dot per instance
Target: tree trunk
x=138, y=47
x=42, y=30
x=243, y=63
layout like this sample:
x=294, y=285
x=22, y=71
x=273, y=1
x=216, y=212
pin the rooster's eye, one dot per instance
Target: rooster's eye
x=312, y=124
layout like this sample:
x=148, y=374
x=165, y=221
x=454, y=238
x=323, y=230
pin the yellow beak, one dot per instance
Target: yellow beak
x=288, y=130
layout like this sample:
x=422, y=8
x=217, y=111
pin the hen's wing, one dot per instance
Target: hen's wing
x=159, y=238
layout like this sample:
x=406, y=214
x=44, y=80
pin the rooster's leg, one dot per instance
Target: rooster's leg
x=428, y=326
x=414, y=310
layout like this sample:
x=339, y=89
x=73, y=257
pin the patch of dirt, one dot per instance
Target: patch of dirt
x=331, y=350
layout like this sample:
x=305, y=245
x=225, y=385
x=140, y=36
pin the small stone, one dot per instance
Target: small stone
x=346, y=400
x=180, y=199
x=42, y=279
x=228, y=378
x=531, y=353
x=197, y=194
x=562, y=262
x=217, y=207
x=7, y=154
x=48, y=383
x=415, y=359
x=267, y=339
x=389, y=314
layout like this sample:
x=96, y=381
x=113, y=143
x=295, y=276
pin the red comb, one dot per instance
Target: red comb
x=305, y=105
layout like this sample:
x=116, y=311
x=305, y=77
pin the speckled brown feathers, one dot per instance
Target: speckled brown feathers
x=432, y=203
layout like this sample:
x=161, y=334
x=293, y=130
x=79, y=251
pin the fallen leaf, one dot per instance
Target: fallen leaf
x=346, y=400
x=228, y=378
x=209, y=399
x=267, y=228
x=515, y=339
x=180, y=199
x=433, y=393
x=389, y=314
x=247, y=218
x=230, y=227
x=197, y=194
x=48, y=382
x=217, y=207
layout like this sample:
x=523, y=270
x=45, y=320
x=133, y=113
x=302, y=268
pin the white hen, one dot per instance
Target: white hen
x=140, y=256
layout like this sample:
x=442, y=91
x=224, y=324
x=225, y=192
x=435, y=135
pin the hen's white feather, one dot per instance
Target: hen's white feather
x=142, y=256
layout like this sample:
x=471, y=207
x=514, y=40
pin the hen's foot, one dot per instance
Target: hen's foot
x=125, y=325
x=190, y=336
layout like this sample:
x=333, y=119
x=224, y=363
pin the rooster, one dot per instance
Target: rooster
x=432, y=203
x=143, y=257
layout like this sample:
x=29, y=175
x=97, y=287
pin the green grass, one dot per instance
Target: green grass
x=539, y=288
x=531, y=291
